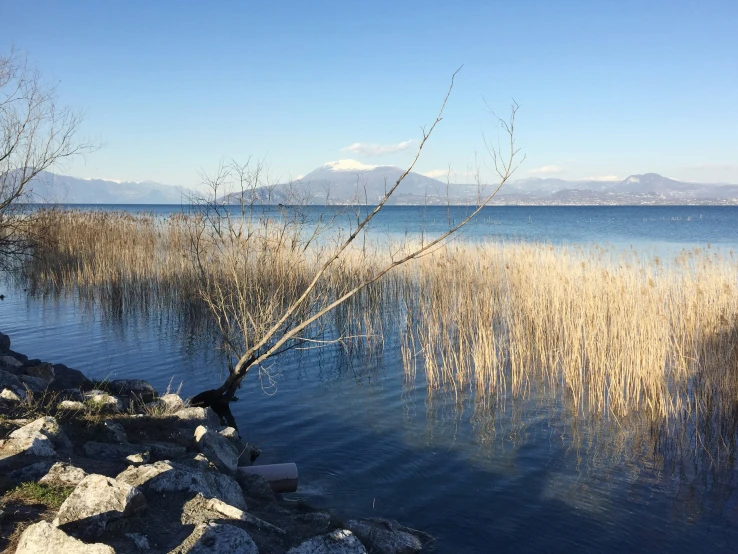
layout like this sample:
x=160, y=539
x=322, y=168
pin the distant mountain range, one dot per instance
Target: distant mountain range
x=51, y=188
x=349, y=181
x=346, y=181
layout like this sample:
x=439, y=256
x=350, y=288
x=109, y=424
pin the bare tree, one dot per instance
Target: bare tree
x=263, y=314
x=35, y=134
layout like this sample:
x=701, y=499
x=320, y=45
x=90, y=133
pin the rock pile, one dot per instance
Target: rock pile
x=144, y=473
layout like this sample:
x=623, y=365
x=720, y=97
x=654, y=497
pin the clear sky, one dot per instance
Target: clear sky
x=606, y=88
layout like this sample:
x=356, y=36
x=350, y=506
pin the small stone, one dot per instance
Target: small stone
x=218, y=449
x=340, y=541
x=217, y=538
x=11, y=396
x=167, y=404
x=255, y=486
x=198, y=416
x=95, y=502
x=73, y=405
x=62, y=473
x=229, y=432
x=44, y=538
x=103, y=401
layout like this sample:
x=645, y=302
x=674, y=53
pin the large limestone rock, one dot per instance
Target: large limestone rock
x=217, y=538
x=62, y=473
x=385, y=536
x=47, y=426
x=340, y=541
x=44, y=538
x=171, y=477
x=96, y=501
x=218, y=449
x=39, y=439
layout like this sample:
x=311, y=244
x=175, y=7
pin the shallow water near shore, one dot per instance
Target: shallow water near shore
x=526, y=476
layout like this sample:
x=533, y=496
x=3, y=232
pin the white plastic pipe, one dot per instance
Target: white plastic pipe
x=281, y=477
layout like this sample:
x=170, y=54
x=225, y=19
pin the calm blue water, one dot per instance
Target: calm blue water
x=528, y=478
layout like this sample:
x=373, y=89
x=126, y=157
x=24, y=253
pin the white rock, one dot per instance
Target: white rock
x=38, y=438
x=9, y=394
x=64, y=474
x=167, y=404
x=198, y=416
x=218, y=449
x=217, y=538
x=96, y=501
x=104, y=401
x=44, y=538
x=171, y=477
x=229, y=432
x=46, y=426
x=340, y=541
x=231, y=512
x=71, y=405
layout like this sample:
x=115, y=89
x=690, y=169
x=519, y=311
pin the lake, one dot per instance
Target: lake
x=527, y=476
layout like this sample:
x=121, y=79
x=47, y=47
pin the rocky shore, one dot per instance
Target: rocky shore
x=96, y=468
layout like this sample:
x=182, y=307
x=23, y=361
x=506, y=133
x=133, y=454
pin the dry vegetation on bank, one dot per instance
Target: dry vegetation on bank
x=619, y=332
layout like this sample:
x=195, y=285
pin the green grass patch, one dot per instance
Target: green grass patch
x=50, y=495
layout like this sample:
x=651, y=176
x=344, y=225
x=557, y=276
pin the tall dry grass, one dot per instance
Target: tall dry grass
x=620, y=333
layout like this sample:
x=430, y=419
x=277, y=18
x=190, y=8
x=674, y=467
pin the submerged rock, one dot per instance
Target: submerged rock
x=340, y=541
x=385, y=536
x=44, y=538
x=172, y=477
x=96, y=501
x=217, y=538
x=218, y=449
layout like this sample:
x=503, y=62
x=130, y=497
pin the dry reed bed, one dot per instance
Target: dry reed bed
x=620, y=333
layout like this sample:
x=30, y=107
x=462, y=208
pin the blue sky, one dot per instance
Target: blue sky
x=606, y=88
